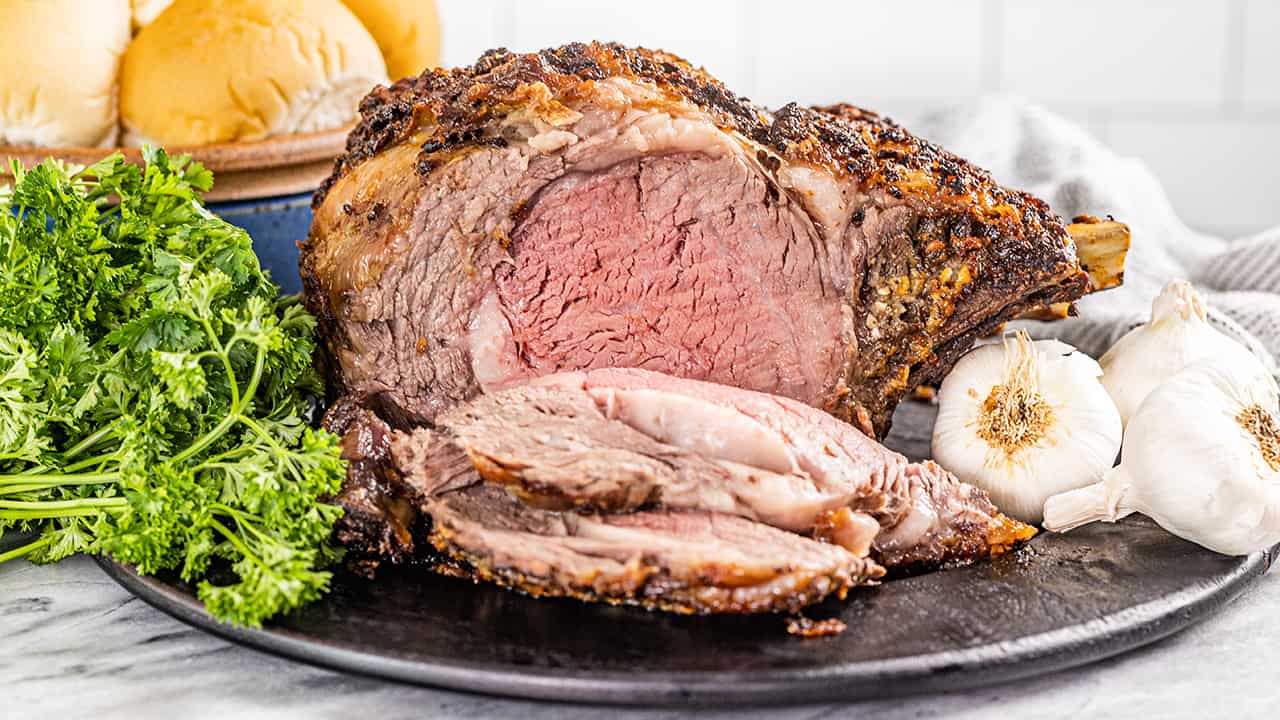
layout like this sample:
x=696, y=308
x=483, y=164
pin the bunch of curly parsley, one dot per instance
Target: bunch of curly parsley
x=154, y=389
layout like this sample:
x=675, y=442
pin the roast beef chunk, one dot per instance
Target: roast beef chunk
x=379, y=518
x=619, y=440
x=687, y=562
x=596, y=206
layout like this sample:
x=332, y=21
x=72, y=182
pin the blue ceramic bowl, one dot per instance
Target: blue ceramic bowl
x=276, y=225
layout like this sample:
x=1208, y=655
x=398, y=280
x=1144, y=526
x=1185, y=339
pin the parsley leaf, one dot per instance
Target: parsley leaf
x=153, y=388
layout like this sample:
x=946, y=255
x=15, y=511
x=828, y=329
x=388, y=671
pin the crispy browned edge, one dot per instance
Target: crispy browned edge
x=653, y=589
x=456, y=105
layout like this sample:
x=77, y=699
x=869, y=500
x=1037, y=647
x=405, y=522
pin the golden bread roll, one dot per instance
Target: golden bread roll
x=58, y=66
x=407, y=32
x=209, y=72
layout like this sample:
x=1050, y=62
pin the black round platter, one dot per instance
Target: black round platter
x=1059, y=602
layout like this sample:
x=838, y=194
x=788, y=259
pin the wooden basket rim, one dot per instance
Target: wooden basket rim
x=273, y=152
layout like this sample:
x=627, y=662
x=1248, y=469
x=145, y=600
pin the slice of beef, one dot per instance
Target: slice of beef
x=619, y=440
x=686, y=562
x=596, y=206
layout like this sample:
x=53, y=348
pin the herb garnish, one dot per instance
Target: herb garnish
x=154, y=388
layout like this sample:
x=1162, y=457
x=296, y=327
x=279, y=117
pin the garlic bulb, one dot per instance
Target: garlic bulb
x=1176, y=336
x=1201, y=458
x=1025, y=420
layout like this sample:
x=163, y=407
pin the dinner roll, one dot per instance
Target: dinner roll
x=407, y=31
x=58, y=66
x=209, y=72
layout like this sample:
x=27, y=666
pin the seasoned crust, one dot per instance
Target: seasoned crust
x=455, y=105
x=446, y=111
x=509, y=550
x=379, y=521
x=651, y=589
x=883, y=154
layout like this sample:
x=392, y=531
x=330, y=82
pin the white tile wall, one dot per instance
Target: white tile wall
x=1190, y=86
x=468, y=28
x=711, y=33
x=870, y=53
x=1108, y=52
x=1261, y=66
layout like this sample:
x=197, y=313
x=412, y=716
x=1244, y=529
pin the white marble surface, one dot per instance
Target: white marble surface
x=73, y=644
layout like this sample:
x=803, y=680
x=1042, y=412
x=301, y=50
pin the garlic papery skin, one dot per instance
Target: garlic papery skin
x=1025, y=420
x=1177, y=335
x=1201, y=458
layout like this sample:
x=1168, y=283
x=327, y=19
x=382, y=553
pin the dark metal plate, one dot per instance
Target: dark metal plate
x=1063, y=601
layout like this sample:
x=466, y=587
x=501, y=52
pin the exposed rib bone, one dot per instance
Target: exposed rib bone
x=1101, y=246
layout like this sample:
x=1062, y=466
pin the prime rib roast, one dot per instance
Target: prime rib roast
x=498, y=238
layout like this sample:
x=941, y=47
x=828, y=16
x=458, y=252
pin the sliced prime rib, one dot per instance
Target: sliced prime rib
x=621, y=440
x=598, y=206
x=687, y=562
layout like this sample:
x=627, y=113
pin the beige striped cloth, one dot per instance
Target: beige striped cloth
x=1028, y=147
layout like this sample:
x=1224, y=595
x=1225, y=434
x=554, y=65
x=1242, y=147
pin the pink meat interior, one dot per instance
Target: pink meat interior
x=683, y=264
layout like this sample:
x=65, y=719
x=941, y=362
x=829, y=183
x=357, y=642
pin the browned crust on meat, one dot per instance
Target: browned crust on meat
x=652, y=588
x=453, y=106
x=967, y=544
x=882, y=154
x=378, y=518
x=447, y=111
x=1001, y=237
